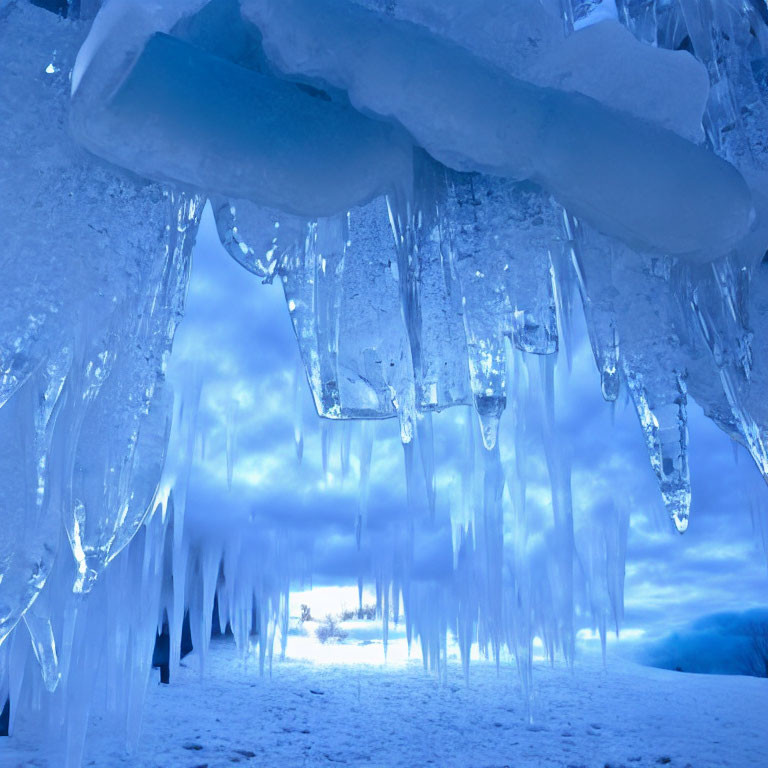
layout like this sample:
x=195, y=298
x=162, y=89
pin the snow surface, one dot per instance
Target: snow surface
x=351, y=710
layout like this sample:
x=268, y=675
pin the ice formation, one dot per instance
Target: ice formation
x=433, y=184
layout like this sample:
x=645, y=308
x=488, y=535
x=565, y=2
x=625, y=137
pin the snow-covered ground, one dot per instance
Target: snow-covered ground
x=339, y=709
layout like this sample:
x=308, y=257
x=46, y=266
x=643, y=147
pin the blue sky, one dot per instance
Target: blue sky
x=238, y=339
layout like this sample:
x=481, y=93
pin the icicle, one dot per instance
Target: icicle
x=260, y=239
x=411, y=486
x=325, y=443
x=179, y=562
x=364, y=456
x=200, y=598
x=313, y=292
x=298, y=416
x=719, y=301
x=121, y=368
x=34, y=462
x=143, y=633
x=344, y=446
x=148, y=465
x=396, y=601
x=663, y=417
x=519, y=617
x=482, y=303
x=596, y=297
x=490, y=538
x=718, y=36
x=328, y=241
x=467, y=469
x=427, y=453
x=44, y=645
x=641, y=18
x=385, y=619
x=231, y=422
x=285, y=613
x=430, y=299
x=499, y=236
x=357, y=362
x=634, y=301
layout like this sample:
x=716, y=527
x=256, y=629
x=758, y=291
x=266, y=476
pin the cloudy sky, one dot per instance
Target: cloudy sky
x=237, y=341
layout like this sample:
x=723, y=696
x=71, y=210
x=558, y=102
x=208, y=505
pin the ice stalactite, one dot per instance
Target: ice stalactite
x=102, y=645
x=204, y=574
x=356, y=365
x=93, y=366
x=621, y=291
x=298, y=419
x=364, y=455
x=499, y=236
x=96, y=650
x=443, y=214
x=599, y=311
x=120, y=393
x=430, y=300
x=88, y=317
x=29, y=502
x=715, y=313
x=518, y=574
x=601, y=552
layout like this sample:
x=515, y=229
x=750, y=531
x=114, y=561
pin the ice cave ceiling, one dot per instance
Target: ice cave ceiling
x=442, y=190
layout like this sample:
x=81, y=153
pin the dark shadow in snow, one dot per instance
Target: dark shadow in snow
x=719, y=644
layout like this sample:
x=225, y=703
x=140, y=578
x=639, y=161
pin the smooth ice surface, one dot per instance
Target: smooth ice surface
x=180, y=114
x=631, y=179
x=602, y=60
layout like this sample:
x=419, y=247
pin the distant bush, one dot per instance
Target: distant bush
x=367, y=612
x=756, y=661
x=306, y=614
x=329, y=630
